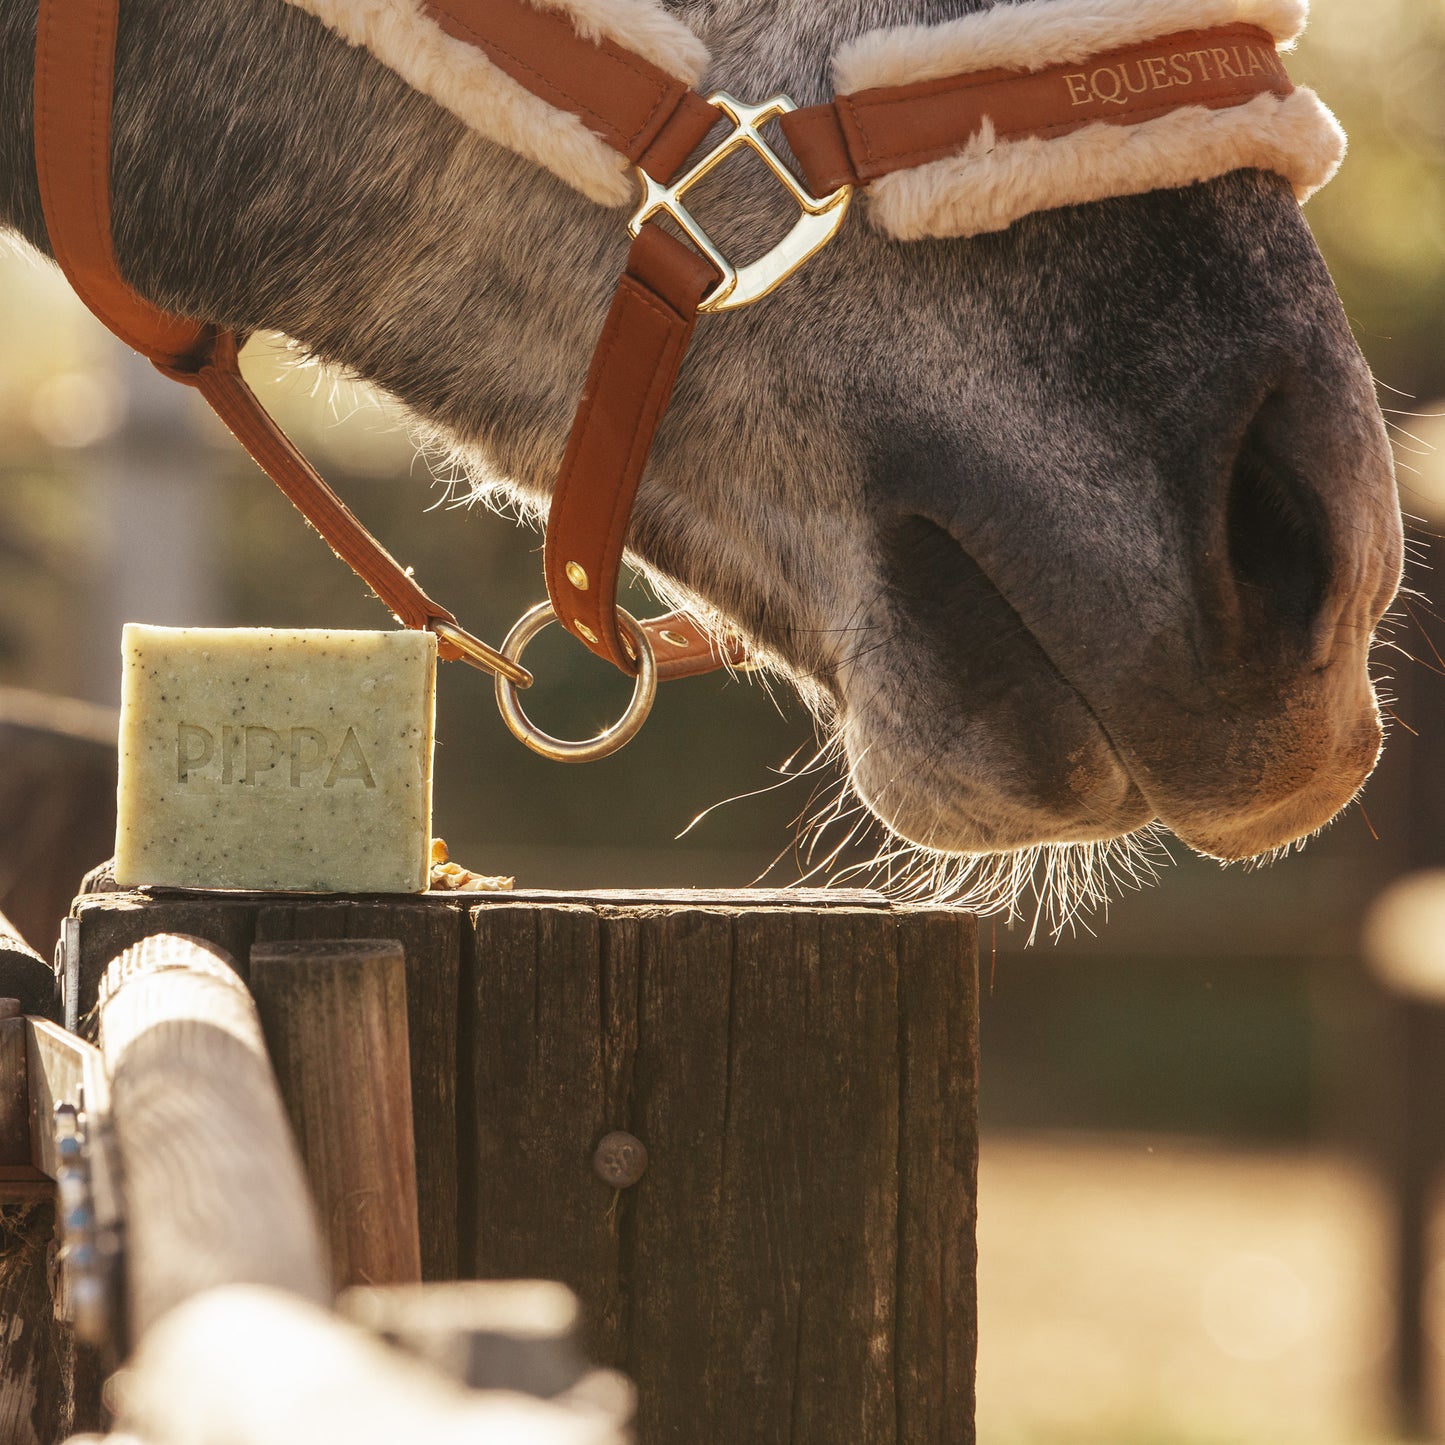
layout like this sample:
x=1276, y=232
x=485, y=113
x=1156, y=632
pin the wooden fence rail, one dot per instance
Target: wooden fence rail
x=252, y=1366
x=228, y=1299
x=214, y=1189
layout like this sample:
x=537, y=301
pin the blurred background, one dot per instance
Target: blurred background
x=1209, y=1203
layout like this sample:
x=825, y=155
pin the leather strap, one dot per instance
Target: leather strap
x=653, y=120
x=219, y=380
x=628, y=387
x=650, y=117
x=74, y=84
x=854, y=139
x=74, y=93
x=859, y=137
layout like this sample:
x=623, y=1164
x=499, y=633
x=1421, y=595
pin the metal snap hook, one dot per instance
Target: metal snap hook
x=560, y=750
x=476, y=653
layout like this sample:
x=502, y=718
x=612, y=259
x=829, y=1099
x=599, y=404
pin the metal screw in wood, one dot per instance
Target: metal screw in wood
x=620, y=1159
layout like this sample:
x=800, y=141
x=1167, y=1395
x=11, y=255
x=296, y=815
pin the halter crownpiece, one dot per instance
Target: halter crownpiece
x=953, y=130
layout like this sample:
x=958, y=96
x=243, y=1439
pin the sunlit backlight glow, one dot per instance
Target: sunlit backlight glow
x=76, y=409
x=1405, y=936
x=1256, y=1308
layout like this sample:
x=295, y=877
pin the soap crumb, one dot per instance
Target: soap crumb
x=449, y=877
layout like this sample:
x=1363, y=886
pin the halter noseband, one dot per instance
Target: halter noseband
x=913, y=135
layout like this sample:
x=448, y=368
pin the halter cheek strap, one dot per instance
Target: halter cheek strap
x=619, y=102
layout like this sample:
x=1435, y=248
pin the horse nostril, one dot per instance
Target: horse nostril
x=1277, y=535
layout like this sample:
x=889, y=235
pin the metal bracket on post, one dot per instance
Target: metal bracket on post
x=89, y=1251
x=70, y=1144
x=67, y=973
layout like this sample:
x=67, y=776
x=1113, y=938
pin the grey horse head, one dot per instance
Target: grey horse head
x=1063, y=530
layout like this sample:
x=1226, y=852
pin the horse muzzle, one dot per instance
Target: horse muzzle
x=1197, y=653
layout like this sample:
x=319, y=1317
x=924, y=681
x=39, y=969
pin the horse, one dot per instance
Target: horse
x=1066, y=531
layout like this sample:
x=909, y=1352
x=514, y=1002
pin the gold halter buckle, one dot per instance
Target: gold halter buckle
x=742, y=285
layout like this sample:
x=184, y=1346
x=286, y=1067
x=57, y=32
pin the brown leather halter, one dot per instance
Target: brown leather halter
x=657, y=123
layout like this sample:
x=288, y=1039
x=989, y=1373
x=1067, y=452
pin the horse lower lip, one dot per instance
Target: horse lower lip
x=1301, y=774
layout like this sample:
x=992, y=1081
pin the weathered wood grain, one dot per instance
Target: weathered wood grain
x=938, y=1176
x=214, y=1191
x=334, y=1015
x=65, y=1069
x=14, y=1091
x=535, y=1062
x=49, y=1383
x=796, y=1263
x=24, y=975
x=57, y=805
x=429, y=931
x=110, y=923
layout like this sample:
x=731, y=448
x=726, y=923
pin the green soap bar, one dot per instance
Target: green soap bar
x=266, y=759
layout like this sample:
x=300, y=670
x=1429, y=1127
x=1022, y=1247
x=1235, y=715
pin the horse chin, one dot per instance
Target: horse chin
x=987, y=790
x=991, y=784
x=968, y=821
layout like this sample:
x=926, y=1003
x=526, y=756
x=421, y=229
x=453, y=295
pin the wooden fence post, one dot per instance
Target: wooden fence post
x=1404, y=940
x=796, y=1260
x=227, y=1287
x=334, y=1016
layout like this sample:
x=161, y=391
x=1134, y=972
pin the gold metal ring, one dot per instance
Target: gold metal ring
x=558, y=749
x=476, y=653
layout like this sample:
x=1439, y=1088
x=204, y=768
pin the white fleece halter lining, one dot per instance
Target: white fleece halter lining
x=986, y=186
